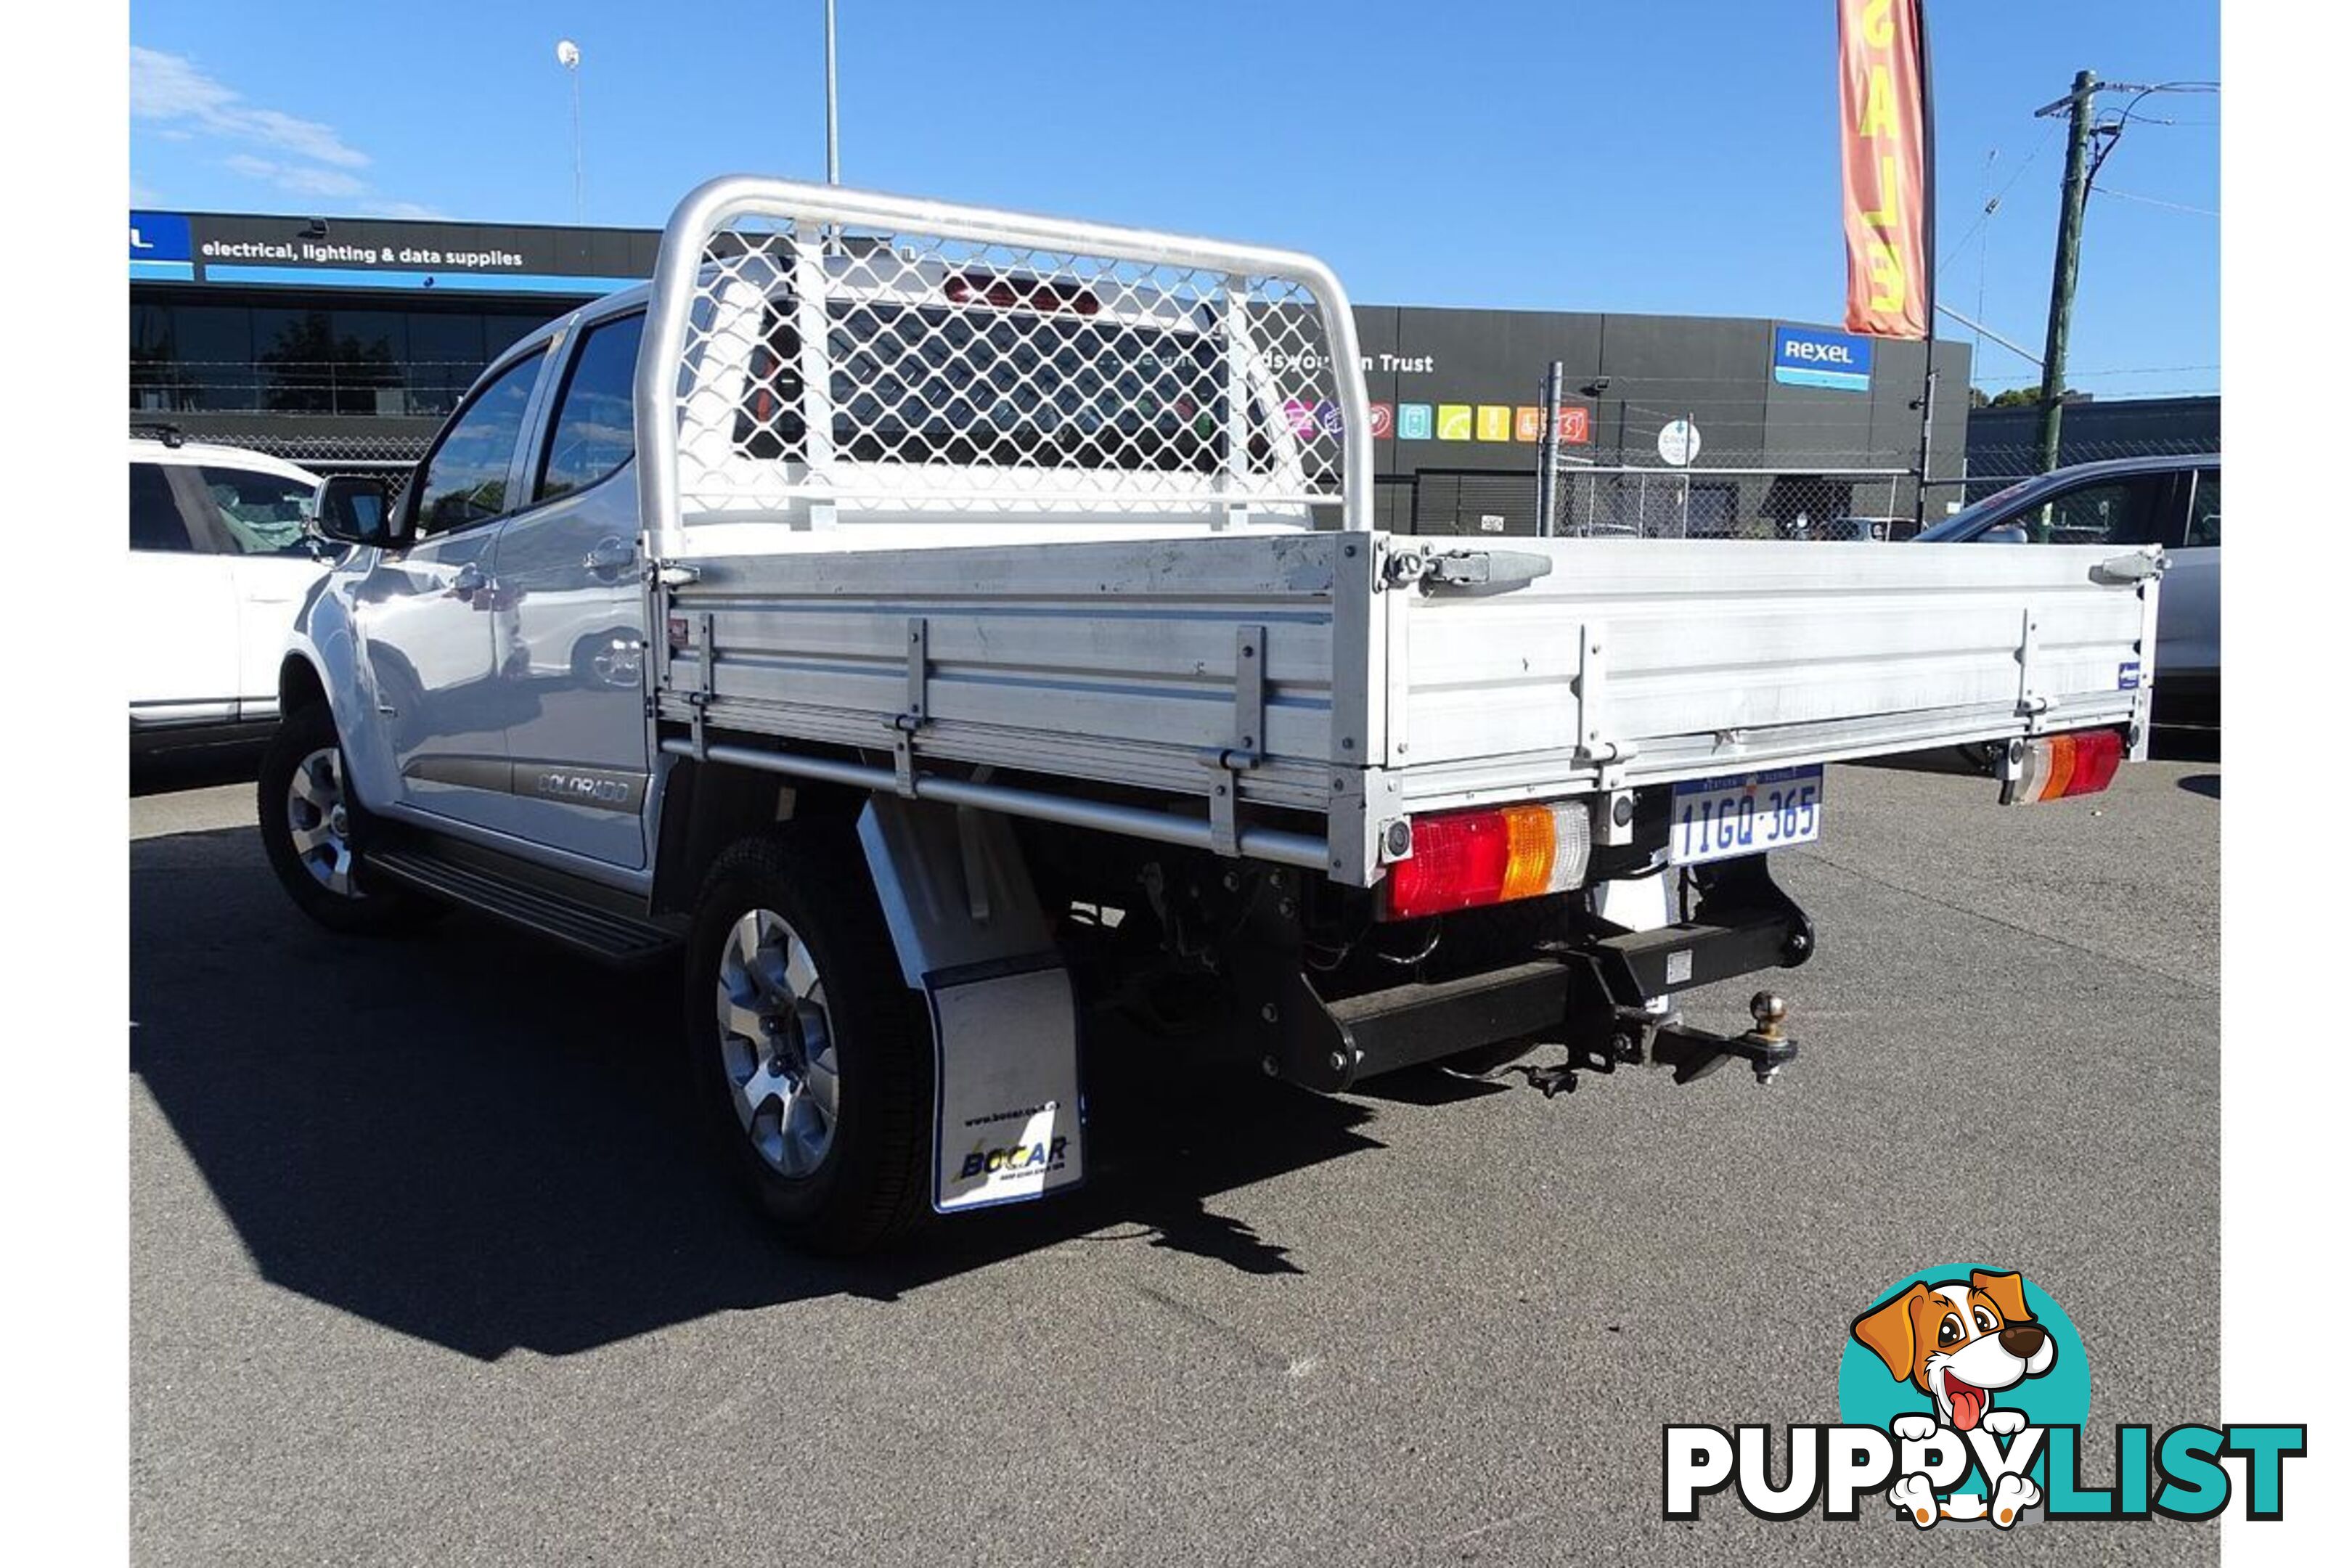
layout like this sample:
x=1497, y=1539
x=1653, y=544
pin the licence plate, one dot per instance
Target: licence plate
x=1745, y=814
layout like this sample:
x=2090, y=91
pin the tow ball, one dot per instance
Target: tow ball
x=1671, y=1043
x=1694, y=1053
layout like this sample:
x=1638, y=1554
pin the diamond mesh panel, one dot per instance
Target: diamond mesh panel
x=902, y=371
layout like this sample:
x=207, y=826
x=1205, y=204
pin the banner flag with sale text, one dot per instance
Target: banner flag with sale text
x=1885, y=137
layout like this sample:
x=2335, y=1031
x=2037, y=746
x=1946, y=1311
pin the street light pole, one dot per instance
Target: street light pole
x=832, y=118
x=567, y=55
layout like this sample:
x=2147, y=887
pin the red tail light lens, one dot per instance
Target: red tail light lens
x=2097, y=754
x=1464, y=858
x=1019, y=293
x=2055, y=767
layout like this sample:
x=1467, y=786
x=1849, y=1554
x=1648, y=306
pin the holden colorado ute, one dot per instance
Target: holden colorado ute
x=925, y=626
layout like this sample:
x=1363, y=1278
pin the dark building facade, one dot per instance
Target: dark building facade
x=344, y=342
x=2004, y=443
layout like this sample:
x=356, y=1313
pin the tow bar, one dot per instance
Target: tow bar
x=1595, y=992
x=1745, y=921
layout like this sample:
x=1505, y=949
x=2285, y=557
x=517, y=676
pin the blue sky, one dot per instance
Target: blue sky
x=1628, y=156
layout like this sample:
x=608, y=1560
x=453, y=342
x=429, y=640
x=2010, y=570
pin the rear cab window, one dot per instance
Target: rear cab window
x=1005, y=371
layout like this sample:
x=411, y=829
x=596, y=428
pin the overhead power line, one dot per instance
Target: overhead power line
x=2157, y=202
x=2073, y=375
x=1998, y=196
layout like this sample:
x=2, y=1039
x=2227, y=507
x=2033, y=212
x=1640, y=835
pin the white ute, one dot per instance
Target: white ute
x=943, y=626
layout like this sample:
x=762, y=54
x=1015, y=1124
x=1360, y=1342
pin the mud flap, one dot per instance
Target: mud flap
x=1008, y=1125
x=1008, y=1119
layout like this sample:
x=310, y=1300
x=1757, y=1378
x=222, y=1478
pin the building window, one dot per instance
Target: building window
x=321, y=358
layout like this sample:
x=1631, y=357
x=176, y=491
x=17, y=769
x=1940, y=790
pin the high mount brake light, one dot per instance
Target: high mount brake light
x=1019, y=293
x=2054, y=768
x=1464, y=858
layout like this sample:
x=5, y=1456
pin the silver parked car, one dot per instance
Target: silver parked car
x=2172, y=501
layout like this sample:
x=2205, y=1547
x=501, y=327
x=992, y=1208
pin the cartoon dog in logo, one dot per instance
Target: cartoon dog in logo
x=1959, y=1342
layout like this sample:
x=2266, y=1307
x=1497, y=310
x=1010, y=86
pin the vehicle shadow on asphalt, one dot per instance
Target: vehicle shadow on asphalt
x=477, y=1141
x=198, y=767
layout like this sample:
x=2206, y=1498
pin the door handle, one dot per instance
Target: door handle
x=611, y=556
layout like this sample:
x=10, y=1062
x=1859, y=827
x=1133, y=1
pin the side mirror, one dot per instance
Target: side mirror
x=353, y=509
x=2007, y=533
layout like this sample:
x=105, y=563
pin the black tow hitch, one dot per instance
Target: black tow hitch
x=1637, y=1036
x=1744, y=922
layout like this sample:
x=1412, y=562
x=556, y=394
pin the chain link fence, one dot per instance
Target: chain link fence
x=1996, y=468
x=326, y=452
x=1731, y=500
x=1739, y=496
x=1736, y=495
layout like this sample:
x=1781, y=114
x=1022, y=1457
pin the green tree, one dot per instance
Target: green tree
x=2019, y=397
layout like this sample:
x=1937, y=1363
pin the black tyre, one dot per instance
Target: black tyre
x=812, y=1060
x=313, y=828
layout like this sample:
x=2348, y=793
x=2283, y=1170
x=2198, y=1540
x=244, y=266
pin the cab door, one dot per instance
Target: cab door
x=573, y=605
x=181, y=624
x=425, y=616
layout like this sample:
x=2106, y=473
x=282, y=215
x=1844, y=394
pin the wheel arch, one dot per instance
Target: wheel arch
x=321, y=664
x=706, y=806
x=300, y=685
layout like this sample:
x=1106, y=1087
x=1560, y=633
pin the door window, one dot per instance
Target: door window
x=2109, y=512
x=2205, y=511
x=156, y=520
x=594, y=429
x=256, y=513
x=465, y=479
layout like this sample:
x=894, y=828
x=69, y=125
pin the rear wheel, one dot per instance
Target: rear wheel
x=312, y=826
x=811, y=1058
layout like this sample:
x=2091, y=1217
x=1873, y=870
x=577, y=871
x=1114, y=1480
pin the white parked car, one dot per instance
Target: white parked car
x=221, y=559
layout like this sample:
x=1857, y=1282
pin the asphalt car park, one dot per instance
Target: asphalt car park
x=425, y=1267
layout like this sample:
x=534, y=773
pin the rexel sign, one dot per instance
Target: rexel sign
x=1813, y=356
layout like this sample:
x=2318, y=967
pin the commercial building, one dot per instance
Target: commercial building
x=343, y=341
x=2004, y=443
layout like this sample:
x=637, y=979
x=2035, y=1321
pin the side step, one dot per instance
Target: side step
x=600, y=934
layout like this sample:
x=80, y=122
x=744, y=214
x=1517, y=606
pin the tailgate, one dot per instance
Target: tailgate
x=1644, y=660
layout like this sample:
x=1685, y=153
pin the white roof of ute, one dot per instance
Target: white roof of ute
x=155, y=449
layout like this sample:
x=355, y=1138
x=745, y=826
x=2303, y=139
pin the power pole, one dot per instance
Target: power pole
x=2073, y=194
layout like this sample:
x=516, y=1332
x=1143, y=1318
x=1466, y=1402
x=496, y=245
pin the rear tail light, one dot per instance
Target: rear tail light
x=1463, y=858
x=1019, y=293
x=2053, y=767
